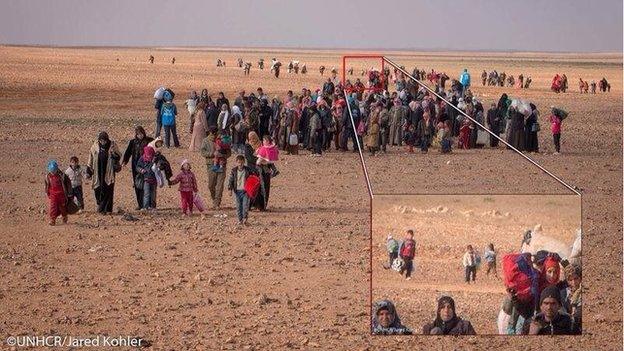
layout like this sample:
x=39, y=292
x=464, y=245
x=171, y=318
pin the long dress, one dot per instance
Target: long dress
x=200, y=129
x=516, y=134
x=530, y=132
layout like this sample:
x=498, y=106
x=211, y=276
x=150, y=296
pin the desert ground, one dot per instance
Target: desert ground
x=443, y=226
x=298, y=277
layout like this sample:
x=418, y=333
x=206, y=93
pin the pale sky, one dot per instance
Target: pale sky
x=519, y=25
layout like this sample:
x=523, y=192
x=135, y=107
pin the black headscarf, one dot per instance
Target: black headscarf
x=445, y=327
x=502, y=102
x=139, y=129
x=395, y=326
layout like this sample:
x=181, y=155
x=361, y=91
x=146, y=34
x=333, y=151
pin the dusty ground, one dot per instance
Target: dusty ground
x=192, y=284
x=444, y=225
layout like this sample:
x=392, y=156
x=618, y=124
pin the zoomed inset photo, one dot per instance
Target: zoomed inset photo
x=476, y=264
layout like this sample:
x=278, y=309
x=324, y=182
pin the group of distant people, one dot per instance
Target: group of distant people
x=585, y=87
x=494, y=78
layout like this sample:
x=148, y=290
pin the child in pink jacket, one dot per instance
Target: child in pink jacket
x=555, y=128
x=188, y=186
x=268, y=154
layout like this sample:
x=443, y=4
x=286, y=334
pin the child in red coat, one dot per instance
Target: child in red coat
x=188, y=186
x=464, y=134
x=57, y=186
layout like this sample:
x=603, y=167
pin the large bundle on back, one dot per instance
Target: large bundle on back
x=521, y=106
x=519, y=275
x=560, y=113
x=158, y=94
x=540, y=241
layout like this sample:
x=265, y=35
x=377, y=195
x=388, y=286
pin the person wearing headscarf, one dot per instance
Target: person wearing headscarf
x=372, y=133
x=222, y=100
x=515, y=134
x=531, y=127
x=384, y=126
x=290, y=128
x=204, y=96
x=251, y=158
x=238, y=129
x=447, y=322
x=216, y=180
x=191, y=103
x=452, y=114
x=386, y=320
x=551, y=320
x=199, y=127
x=274, y=122
x=57, y=189
x=571, y=296
x=133, y=153
x=425, y=131
x=493, y=123
x=103, y=163
x=146, y=178
x=264, y=116
x=397, y=117
x=502, y=109
x=212, y=113
x=315, y=130
x=550, y=272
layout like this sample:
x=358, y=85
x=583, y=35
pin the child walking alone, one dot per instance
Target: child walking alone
x=187, y=188
x=57, y=186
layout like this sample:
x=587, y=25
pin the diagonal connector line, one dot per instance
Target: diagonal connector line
x=357, y=141
x=571, y=188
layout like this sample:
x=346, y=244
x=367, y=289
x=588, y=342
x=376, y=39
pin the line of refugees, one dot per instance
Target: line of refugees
x=149, y=168
x=416, y=118
x=249, y=181
x=560, y=84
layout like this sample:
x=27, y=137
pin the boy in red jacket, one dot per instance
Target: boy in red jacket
x=57, y=186
x=407, y=251
x=188, y=186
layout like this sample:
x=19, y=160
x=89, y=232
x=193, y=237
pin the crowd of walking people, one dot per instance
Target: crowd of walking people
x=362, y=114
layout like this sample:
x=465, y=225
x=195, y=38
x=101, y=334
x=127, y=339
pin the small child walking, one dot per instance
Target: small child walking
x=490, y=258
x=392, y=246
x=75, y=173
x=236, y=184
x=57, y=186
x=470, y=264
x=187, y=188
x=555, y=128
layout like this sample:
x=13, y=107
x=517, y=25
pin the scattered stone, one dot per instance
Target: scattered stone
x=128, y=217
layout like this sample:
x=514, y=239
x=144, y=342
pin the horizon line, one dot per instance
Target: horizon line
x=292, y=48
